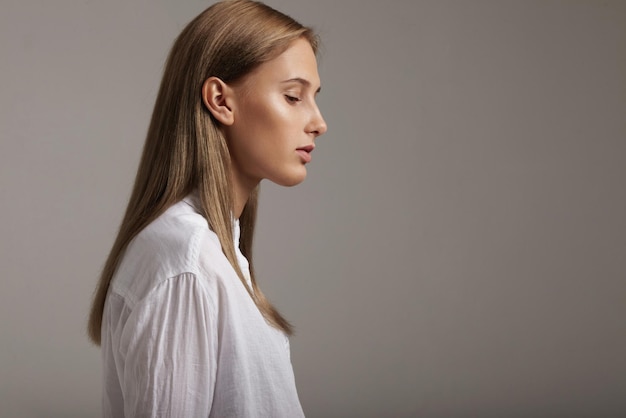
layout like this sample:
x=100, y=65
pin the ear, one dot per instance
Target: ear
x=217, y=97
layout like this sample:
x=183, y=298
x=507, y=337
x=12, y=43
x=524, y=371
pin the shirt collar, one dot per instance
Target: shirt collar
x=193, y=200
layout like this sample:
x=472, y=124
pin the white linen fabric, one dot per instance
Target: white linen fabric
x=181, y=336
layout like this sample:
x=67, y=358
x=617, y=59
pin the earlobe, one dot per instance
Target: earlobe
x=216, y=98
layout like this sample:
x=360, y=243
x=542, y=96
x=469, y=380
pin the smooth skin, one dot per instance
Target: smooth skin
x=270, y=120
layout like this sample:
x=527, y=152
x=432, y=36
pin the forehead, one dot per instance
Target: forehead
x=296, y=62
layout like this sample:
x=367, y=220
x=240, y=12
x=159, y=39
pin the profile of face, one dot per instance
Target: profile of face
x=270, y=118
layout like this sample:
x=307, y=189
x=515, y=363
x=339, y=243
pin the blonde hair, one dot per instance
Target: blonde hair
x=185, y=149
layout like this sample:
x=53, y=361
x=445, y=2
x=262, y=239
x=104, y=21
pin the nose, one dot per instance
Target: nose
x=317, y=125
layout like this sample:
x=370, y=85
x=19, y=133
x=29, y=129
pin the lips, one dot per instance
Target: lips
x=305, y=152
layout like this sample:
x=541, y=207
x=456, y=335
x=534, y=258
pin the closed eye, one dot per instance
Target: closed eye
x=292, y=99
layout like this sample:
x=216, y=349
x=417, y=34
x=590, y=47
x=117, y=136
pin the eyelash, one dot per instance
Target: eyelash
x=292, y=99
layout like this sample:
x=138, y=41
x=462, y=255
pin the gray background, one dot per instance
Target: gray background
x=458, y=250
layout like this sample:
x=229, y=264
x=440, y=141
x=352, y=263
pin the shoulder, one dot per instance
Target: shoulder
x=179, y=241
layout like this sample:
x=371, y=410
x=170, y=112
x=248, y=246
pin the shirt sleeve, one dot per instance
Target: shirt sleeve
x=169, y=343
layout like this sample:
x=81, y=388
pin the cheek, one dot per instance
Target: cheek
x=269, y=122
x=273, y=113
x=251, y=113
x=258, y=131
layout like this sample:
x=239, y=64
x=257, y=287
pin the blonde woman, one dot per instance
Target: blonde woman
x=184, y=328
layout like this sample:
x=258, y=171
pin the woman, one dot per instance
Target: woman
x=184, y=328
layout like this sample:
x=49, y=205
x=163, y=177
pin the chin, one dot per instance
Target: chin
x=292, y=180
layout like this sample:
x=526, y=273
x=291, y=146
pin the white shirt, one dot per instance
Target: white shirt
x=181, y=337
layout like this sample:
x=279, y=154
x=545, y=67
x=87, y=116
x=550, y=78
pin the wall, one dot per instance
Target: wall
x=458, y=249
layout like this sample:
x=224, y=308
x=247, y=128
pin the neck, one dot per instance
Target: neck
x=242, y=187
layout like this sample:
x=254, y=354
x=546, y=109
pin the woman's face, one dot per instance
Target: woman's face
x=276, y=119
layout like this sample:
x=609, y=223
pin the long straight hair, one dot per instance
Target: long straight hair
x=185, y=149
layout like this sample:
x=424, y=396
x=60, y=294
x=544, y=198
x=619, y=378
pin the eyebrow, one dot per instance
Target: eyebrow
x=302, y=81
